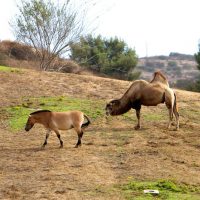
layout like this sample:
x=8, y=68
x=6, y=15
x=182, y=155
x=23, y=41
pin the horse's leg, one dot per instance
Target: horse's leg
x=46, y=138
x=58, y=135
x=138, y=126
x=80, y=135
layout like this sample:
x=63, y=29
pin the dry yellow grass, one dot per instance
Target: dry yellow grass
x=112, y=150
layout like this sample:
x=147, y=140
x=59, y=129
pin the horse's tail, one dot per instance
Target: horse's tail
x=87, y=123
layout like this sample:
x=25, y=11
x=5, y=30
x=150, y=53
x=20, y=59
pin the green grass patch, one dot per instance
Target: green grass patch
x=10, y=69
x=93, y=108
x=168, y=190
x=152, y=114
x=130, y=116
x=19, y=114
x=154, y=117
x=191, y=113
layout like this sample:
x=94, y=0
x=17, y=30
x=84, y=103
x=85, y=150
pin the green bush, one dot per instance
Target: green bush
x=109, y=56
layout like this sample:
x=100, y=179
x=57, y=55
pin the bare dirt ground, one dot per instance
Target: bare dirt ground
x=111, y=153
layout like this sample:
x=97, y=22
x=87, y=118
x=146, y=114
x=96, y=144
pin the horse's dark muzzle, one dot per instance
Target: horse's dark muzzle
x=28, y=127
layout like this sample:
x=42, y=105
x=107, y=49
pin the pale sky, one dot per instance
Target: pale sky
x=152, y=27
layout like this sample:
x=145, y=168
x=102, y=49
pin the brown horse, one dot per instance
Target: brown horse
x=146, y=93
x=58, y=121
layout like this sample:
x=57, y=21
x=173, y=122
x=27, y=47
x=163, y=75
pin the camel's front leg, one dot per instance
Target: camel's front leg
x=138, y=126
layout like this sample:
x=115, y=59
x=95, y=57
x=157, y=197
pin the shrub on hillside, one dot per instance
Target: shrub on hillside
x=65, y=66
x=15, y=54
x=134, y=75
x=17, y=50
x=3, y=58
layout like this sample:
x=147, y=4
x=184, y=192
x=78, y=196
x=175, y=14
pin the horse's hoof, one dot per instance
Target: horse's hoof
x=61, y=147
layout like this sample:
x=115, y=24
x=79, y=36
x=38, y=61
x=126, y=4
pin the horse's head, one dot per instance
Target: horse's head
x=112, y=107
x=30, y=122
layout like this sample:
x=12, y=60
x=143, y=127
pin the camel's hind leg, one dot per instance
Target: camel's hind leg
x=175, y=111
x=169, y=101
x=170, y=117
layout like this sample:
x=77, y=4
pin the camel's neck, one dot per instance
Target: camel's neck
x=123, y=107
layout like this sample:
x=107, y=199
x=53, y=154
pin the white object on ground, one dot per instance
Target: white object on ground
x=151, y=191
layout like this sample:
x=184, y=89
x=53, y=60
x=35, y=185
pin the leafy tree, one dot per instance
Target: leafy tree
x=49, y=27
x=197, y=57
x=110, y=56
x=196, y=86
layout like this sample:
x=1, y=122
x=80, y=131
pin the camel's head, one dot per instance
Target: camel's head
x=112, y=107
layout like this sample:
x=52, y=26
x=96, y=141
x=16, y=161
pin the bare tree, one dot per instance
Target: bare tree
x=49, y=27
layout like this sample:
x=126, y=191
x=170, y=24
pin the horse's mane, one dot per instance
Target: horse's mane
x=158, y=73
x=39, y=111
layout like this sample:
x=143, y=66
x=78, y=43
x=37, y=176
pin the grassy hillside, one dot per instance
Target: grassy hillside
x=114, y=161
